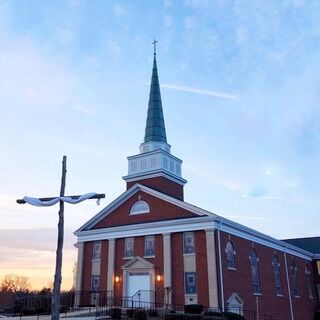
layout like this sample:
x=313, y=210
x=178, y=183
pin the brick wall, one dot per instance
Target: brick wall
x=202, y=267
x=104, y=265
x=177, y=268
x=240, y=281
x=86, y=275
x=161, y=184
x=160, y=210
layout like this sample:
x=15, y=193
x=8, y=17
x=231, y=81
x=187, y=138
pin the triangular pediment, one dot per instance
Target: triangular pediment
x=137, y=263
x=173, y=208
x=235, y=300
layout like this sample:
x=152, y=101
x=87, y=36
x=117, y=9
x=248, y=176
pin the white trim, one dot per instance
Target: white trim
x=288, y=285
x=145, y=229
x=155, y=152
x=133, y=211
x=153, y=174
x=220, y=267
x=204, y=220
x=129, y=193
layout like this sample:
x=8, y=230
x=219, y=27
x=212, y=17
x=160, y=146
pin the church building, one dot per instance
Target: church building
x=150, y=245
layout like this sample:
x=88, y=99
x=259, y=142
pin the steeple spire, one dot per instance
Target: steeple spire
x=155, y=128
x=155, y=166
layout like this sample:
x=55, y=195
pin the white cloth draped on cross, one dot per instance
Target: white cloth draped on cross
x=37, y=202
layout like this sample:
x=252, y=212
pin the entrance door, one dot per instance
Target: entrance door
x=138, y=287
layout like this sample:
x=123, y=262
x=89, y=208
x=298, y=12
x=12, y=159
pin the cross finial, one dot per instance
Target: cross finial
x=154, y=46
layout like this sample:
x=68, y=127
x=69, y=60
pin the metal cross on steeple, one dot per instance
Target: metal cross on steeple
x=154, y=46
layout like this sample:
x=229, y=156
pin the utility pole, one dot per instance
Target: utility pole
x=55, y=297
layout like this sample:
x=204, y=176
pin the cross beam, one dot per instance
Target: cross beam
x=96, y=196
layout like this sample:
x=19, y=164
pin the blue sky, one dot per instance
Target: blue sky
x=240, y=90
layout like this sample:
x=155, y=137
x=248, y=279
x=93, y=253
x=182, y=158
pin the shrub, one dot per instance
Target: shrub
x=175, y=316
x=317, y=315
x=153, y=312
x=221, y=317
x=193, y=308
x=140, y=314
x=130, y=313
x=115, y=313
x=211, y=314
x=233, y=316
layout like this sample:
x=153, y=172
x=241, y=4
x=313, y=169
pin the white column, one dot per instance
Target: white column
x=111, y=258
x=167, y=277
x=212, y=269
x=78, y=288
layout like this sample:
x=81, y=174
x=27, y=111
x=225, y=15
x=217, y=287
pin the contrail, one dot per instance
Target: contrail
x=222, y=95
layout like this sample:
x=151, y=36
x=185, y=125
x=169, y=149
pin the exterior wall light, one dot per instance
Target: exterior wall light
x=158, y=278
x=117, y=279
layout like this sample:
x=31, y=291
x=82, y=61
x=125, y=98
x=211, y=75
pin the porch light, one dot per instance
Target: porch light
x=158, y=278
x=117, y=279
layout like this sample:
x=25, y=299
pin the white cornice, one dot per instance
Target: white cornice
x=130, y=192
x=242, y=231
x=205, y=220
x=153, y=174
x=144, y=229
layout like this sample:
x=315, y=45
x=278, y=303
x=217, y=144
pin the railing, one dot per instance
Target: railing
x=102, y=304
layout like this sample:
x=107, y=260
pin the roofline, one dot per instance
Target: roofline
x=135, y=188
x=153, y=174
x=180, y=225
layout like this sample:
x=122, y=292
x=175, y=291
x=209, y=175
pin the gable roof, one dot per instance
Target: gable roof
x=129, y=193
x=138, y=263
x=311, y=244
x=204, y=220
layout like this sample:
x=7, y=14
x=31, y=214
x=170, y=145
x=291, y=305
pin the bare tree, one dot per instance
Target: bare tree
x=15, y=283
x=74, y=276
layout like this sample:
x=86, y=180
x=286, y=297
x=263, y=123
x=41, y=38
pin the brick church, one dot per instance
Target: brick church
x=152, y=246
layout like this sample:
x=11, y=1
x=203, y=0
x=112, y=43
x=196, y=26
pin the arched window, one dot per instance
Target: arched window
x=294, y=278
x=277, y=277
x=254, y=263
x=308, y=281
x=230, y=255
x=140, y=207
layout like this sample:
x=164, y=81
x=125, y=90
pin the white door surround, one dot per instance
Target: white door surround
x=138, y=274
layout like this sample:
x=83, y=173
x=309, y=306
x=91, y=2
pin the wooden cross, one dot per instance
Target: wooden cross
x=55, y=298
x=154, y=46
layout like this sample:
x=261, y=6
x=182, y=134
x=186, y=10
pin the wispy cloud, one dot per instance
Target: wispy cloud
x=205, y=92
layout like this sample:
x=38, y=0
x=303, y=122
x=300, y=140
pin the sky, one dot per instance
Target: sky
x=240, y=91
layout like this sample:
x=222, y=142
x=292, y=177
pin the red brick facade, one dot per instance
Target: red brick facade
x=159, y=210
x=240, y=281
x=237, y=280
x=161, y=184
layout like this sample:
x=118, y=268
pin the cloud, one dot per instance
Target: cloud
x=119, y=10
x=34, y=239
x=167, y=21
x=204, y=92
x=83, y=110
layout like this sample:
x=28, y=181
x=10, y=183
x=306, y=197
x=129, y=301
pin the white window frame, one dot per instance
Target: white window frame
x=255, y=273
x=125, y=251
x=230, y=250
x=146, y=238
x=145, y=208
x=96, y=250
x=185, y=235
x=277, y=274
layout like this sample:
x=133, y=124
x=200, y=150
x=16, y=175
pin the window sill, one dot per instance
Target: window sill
x=96, y=259
x=279, y=295
x=127, y=258
x=189, y=254
x=257, y=294
x=146, y=257
x=297, y=296
x=232, y=269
